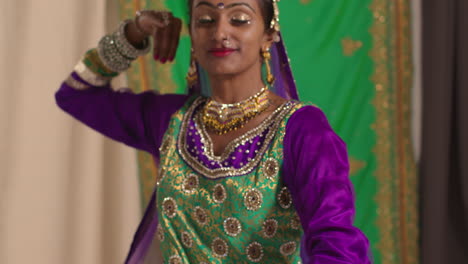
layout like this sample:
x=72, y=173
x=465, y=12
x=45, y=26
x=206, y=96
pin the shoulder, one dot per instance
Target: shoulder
x=307, y=120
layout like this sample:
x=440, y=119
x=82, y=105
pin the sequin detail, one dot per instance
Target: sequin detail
x=232, y=226
x=175, y=259
x=253, y=199
x=295, y=222
x=222, y=166
x=219, y=193
x=199, y=214
x=165, y=144
x=288, y=248
x=191, y=183
x=271, y=168
x=269, y=228
x=187, y=239
x=219, y=247
x=254, y=252
x=169, y=207
x=160, y=233
x=284, y=198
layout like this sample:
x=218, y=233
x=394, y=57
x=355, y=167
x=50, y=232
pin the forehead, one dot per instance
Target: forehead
x=252, y=3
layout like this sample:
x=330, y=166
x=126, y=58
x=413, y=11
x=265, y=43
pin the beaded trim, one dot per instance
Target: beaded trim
x=187, y=239
x=190, y=183
x=254, y=252
x=89, y=76
x=169, y=207
x=175, y=259
x=288, y=248
x=271, y=168
x=253, y=199
x=219, y=193
x=270, y=226
x=219, y=247
x=271, y=124
x=232, y=226
x=284, y=198
x=200, y=215
x=160, y=233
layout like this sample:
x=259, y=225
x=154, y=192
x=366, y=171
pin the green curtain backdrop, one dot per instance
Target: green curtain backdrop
x=352, y=58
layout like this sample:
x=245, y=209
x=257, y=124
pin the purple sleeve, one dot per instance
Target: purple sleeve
x=316, y=172
x=138, y=120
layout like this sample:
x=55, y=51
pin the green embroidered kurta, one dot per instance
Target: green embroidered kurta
x=224, y=216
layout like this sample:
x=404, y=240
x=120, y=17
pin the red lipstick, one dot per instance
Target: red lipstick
x=221, y=52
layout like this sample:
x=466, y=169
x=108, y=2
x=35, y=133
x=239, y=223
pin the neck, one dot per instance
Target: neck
x=229, y=89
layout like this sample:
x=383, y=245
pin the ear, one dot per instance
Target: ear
x=269, y=37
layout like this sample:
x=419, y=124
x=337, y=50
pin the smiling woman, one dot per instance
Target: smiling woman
x=247, y=172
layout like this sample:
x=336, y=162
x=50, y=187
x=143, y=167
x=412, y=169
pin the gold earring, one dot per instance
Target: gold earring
x=266, y=59
x=192, y=75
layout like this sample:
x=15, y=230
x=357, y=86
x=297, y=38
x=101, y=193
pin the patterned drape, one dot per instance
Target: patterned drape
x=352, y=58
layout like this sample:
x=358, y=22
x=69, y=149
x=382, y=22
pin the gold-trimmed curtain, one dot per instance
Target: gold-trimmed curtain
x=353, y=59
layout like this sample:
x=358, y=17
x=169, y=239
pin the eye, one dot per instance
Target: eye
x=205, y=19
x=241, y=19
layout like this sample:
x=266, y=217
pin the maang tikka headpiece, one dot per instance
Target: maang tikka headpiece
x=274, y=24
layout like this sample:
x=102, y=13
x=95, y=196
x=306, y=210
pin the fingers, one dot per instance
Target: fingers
x=174, y=38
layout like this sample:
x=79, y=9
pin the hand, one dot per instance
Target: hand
x=162, y=26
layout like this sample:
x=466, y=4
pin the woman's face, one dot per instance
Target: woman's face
x=238, y=23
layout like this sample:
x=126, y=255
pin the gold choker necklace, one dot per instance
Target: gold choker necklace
x=223, y=118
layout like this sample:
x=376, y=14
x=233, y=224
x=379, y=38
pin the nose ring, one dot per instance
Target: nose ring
x=226, y=43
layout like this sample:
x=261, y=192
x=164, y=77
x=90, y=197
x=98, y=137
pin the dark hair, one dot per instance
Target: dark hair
x=265, y=5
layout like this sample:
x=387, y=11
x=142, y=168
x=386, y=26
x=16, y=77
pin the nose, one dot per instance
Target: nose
x=221, y=29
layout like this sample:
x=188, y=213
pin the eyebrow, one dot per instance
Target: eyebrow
x=203, y=3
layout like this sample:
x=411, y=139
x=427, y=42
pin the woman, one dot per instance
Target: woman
x=246, y=173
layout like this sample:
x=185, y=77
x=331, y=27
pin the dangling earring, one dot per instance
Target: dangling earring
x=192, y=75
x=266, y=59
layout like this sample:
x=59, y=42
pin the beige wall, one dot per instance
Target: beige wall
x=67, y=195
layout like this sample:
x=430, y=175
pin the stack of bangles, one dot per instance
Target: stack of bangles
x=113, y=55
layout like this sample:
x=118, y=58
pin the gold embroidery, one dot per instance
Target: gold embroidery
x=200, y=215
x=160, y=233
x=191, y=183
x=220, y=248
x=295, y=222
x=175, y=259
x=350, y=46
x=288, y=248
x=271, y=168
x=169, y=207
x=187, y=239
x=271, y=124
x=232, y=226
x=253, y=199
x=219, y=193
x=254, y=252
x=284, y=198
x=269, y=228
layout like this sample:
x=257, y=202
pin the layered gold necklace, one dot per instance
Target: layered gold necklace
x=223, y=118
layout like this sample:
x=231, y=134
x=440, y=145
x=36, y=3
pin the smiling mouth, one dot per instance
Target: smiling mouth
x=222, y=52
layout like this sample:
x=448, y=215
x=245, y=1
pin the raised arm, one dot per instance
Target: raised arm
x=138, y=120
x=316, y=172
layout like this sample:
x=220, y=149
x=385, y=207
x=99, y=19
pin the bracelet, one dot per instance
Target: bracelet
x=93, y=62
x=89, y=76
x=125, y=47
x=75, y=84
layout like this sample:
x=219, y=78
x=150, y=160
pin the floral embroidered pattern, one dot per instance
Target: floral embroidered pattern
x=232, y=226
x=288, y=248
x=254, y=252
x=295, y=222
x=253, y=199
x=271, y=168
x=219, y=193
x=219, y=247
x=175, y=259
x=284, y=198
x=269, y=228
x=160, y=233
x=191, y=183
x=187, y=239
x=169, y=207
x=199, y=214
